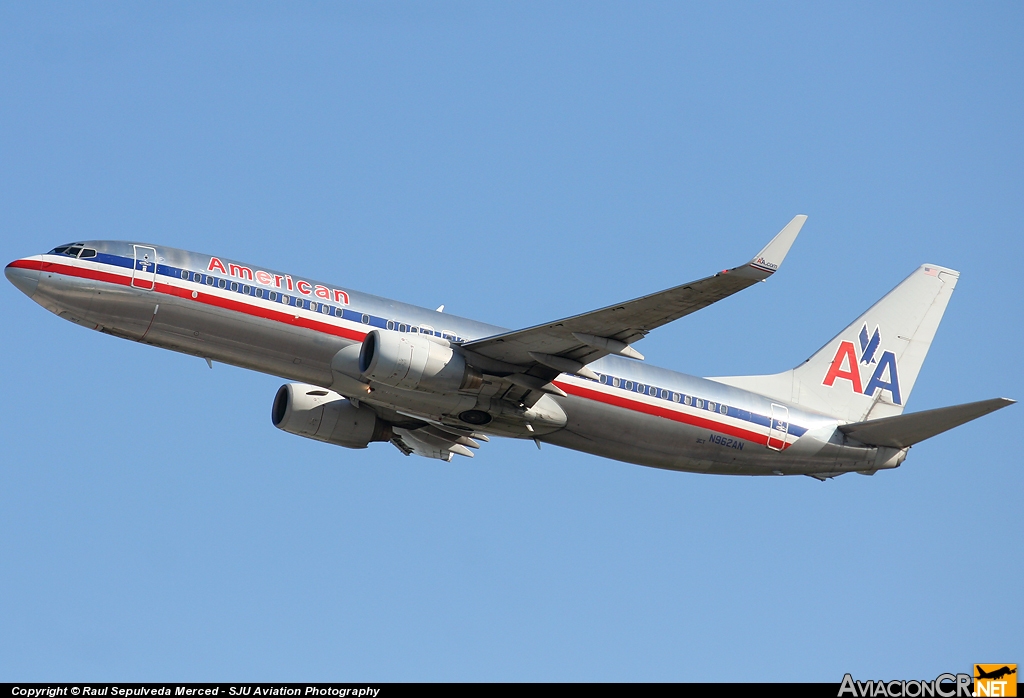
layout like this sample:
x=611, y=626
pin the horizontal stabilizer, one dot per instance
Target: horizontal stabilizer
x=908, y=429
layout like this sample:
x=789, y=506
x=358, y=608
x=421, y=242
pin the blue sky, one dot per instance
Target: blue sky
x=516, y=162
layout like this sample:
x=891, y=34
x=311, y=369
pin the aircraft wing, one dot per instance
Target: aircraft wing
x=567, y=345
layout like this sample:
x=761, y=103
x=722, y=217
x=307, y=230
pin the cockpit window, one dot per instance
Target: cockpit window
x=75, y=250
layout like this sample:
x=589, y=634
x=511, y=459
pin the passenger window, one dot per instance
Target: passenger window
x=723, y=409
x=698, y=403
x=222, y=283
x=234, y=286
x=365, y=319
x=210, y=281
x=273, y=295
x=615, y=382
x=675, y=397
x=391, y=325
x=712, y=406
x=687, y=400
x=184, y=274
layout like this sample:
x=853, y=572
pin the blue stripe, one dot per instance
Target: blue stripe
x=734, y=412
x=375, y=321
x=291, y=298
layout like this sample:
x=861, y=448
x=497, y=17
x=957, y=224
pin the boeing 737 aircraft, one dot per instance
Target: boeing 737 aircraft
x=367, y=369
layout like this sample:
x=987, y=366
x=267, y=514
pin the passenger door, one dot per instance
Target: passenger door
x=144, y=272
x=779, y=427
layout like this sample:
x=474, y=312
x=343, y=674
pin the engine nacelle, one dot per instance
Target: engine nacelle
x=316, y=413
x=415, y=362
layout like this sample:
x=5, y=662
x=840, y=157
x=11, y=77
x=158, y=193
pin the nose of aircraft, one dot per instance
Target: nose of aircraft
x=24, y=273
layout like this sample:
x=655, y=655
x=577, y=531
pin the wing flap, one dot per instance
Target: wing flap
x=905, y=430
x=434, y=440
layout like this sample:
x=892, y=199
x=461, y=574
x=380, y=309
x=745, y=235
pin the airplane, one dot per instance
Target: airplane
x=364, y=369
x=995, y=674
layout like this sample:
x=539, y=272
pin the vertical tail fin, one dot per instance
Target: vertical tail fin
x=869, y=369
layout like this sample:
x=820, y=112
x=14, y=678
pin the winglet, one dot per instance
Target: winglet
x=770, y=258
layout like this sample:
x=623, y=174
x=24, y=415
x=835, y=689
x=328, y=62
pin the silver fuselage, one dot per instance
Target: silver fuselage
x=292, y=327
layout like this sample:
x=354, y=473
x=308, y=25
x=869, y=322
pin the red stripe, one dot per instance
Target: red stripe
x=211, y=299
x=318, y=326
x=657, y=411
x=35, y=264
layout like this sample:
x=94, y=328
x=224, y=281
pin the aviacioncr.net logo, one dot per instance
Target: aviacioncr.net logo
x=943, y=686
x=995, y=680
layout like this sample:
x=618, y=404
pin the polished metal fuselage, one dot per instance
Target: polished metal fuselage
x=636, y=413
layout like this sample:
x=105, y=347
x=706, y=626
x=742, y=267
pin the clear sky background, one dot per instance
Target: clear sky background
x=518, y=163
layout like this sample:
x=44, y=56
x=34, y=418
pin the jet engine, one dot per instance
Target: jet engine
x=415, y=362
x=316, y=413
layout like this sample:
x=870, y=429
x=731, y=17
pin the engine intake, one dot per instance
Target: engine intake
x=415, y=362
x=316, y=413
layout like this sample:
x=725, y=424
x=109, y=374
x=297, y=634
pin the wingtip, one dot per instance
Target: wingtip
x=770, y=258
